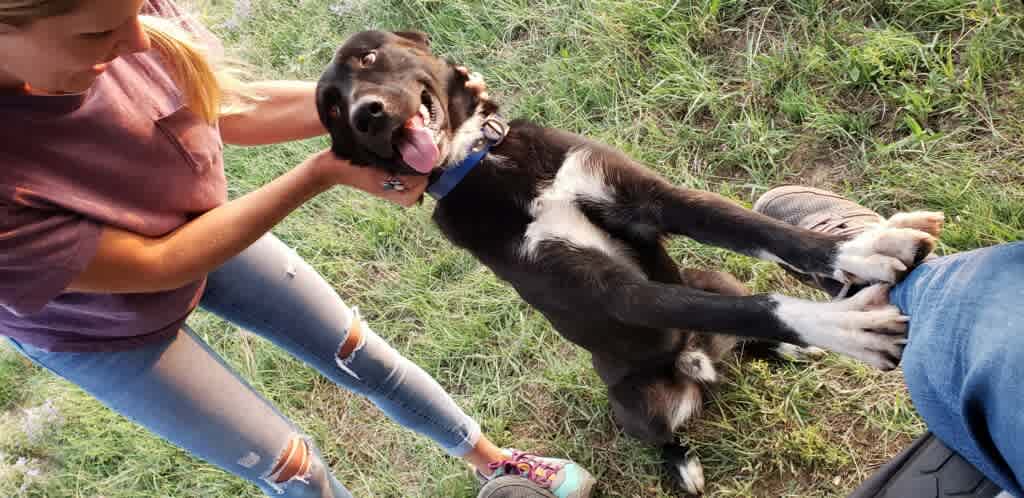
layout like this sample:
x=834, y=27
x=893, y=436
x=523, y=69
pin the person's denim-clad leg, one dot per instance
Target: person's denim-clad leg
x=270, y=291
x=964, y=364
x=183, y=391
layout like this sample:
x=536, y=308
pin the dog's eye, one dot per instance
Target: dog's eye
x=368, y=59
x=334, y=112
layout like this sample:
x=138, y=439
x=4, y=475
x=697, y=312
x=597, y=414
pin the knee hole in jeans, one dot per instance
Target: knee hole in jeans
x=295, y=463
x=354, y=341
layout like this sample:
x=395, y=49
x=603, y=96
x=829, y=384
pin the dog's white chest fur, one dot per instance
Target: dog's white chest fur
x=557, y=216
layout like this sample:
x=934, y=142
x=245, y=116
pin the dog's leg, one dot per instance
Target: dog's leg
x=636, y=200
x=684, y=467
x=651, y=409
x=880, y=254
x=798, y=353
x=862, y=326
x=751, y=349
x=717, y=345
x=718, y=282
x=858, y=326
x=678, y=460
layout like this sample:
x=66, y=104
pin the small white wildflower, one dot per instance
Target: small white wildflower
x=346, y=7
x=30, y=471
x=242, y=11
x=40, y=421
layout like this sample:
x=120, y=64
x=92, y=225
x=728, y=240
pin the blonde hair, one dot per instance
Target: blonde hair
x=212, y=88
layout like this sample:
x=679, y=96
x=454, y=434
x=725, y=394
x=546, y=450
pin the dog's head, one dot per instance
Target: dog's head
x=389, y=103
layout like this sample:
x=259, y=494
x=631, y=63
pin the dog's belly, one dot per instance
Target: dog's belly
x=557, y=215
x=558, y=224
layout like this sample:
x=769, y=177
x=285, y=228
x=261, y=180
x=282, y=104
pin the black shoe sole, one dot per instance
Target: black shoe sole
x=927, y=469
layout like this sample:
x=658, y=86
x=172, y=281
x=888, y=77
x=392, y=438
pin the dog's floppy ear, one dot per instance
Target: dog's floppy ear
x=417, y=37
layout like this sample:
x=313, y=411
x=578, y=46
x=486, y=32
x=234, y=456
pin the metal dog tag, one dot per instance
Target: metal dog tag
x=494, y=129
x=393, y=184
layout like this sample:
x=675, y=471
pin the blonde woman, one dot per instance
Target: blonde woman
x=115, y=225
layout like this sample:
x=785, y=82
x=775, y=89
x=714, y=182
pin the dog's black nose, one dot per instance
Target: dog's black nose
x=369, y=115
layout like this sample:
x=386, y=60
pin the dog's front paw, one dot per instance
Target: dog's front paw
x=876, y=337
x=885, y=252
x=863, y=327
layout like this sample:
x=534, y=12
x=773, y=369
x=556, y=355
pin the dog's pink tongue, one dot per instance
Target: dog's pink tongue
x=418, y=149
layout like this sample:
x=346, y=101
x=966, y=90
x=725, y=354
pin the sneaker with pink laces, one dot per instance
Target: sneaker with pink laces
x=562, y=478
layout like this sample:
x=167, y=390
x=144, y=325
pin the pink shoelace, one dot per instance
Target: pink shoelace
x=528, y=466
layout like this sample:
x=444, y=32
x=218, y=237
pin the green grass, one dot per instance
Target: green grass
x=900, y=104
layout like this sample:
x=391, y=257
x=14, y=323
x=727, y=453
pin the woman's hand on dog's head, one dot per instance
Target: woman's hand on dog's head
x=372, y=180
x=337, y=171
x=474, y=82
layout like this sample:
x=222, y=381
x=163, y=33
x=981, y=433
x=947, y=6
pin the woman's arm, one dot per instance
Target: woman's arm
x=285, y=112
x=126, y=262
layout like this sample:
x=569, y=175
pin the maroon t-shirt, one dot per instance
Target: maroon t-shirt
x=126, y=153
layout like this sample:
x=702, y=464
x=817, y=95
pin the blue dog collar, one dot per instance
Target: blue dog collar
x=494, y=129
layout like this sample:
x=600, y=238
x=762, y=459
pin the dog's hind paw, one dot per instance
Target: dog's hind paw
x=685, y=468
x=930, y=222
x=793, y=352
x=697, y=366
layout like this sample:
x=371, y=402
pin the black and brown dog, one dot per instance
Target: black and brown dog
x=578, y=227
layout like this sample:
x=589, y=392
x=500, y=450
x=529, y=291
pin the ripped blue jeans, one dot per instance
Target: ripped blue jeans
x=964, y=365
x=183, y=391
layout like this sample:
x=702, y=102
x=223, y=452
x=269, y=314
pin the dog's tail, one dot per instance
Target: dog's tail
x=684, y=467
